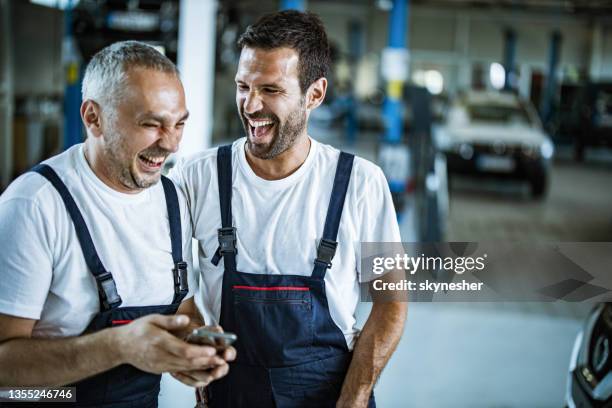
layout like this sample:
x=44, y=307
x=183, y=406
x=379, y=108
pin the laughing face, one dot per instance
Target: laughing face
x=269, y=99
x=144, y=130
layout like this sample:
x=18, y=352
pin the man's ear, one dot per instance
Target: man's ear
x=91, y=114
x=316, y=93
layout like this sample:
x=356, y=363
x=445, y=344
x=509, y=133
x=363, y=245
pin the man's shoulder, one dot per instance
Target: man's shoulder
x=365, y=169
x=33, y=188
x=202, y=166
x=200, y=158
x=29, y=187
x=195, y=161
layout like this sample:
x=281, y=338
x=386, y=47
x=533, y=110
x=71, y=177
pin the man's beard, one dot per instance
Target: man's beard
x=286, y=134
x=122, y=168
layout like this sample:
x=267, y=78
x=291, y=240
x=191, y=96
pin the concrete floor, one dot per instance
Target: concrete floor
x=490, y=355
x=478, y=355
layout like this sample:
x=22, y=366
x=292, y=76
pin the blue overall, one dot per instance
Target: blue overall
x=123, y=386
x=290, y=353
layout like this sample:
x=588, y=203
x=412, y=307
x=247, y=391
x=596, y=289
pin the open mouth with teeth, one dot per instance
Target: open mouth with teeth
x=151, y=163
x=260, y=129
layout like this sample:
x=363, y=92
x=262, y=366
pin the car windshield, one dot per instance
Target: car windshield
x=503, y=114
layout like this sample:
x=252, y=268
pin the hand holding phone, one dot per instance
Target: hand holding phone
x=207, y=337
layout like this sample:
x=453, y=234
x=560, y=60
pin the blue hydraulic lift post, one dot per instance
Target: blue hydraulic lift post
x=551, y=80
x=393, y=155
x=398, y=27
x=292, y=5
x=72, y=91
x=509, y=55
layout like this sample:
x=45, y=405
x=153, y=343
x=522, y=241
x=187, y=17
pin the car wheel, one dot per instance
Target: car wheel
x=538, y=183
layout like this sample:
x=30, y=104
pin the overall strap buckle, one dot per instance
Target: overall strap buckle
x=108, y=291
x=180, y=278
x=325, y=252
x=227, y=241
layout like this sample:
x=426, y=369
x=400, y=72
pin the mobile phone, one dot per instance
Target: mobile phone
x=206, y=337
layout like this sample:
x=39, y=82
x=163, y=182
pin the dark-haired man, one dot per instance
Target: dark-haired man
x=270, y=212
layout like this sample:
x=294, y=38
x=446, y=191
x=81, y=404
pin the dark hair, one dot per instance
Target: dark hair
x=300, y=31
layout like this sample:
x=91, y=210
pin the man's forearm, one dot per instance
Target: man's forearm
x=374, y=347
x=56, y=362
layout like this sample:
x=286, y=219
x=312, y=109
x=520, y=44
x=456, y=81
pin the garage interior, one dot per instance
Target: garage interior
x=553, y=56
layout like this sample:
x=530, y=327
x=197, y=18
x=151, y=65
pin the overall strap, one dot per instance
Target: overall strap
x=107, y=290
x=181, y=286
x=227, y=233
x=327, y=245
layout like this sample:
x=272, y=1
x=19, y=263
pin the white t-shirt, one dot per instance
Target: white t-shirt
x=43, y=274
x=280, y=222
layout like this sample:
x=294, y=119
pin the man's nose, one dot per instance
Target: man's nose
x=252, y=103
x=171, y=139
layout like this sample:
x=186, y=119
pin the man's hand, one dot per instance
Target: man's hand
x=185, y=331
x=148, y=344
x=360, y=400
x=201, y=378
x=373, y=349
x=189, y=308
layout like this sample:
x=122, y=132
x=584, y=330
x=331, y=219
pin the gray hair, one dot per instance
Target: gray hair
x=104, y=80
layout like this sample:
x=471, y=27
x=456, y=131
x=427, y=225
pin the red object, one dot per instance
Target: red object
x=120, y=321
x=271, y=287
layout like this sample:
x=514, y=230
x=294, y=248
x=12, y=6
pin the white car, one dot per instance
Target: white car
x=589, y=383
x=496, y=134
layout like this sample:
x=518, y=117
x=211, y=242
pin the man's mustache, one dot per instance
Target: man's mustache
x=260, y=116
x=156, y=151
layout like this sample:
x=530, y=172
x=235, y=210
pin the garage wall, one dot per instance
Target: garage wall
x=451, y=39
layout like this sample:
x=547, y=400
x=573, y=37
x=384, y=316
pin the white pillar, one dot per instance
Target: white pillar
x=196, y=61
x=6, y=94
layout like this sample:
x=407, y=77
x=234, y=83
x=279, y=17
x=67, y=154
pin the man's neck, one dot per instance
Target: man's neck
x=282, y=165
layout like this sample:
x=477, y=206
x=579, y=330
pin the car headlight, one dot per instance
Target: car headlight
x=547, y=149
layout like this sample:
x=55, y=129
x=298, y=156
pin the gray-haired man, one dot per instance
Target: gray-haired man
x=95, y=252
